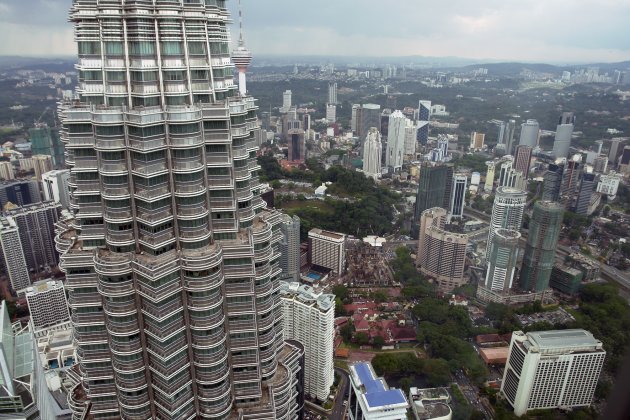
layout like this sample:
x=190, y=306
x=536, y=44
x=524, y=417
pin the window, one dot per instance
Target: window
x=114, y=48
x=89, y=47
x=142, y=48
x=115, y=76
x=171, y=48
x=196, y=48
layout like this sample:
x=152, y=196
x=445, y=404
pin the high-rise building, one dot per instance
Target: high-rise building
x=372, y=154
x=306, y=122
x=552, y=184
x=564, y=131
x=600, y=164
x=286, y=101
x=583, y=201
x=424, y=115
x=309, y=317
x=411, y=131
x=36, y=224
x=624, y=161
x=489, y=182
x=371, y=399
x=55, y=187
x=396, y=140
x=615, y=149
x=6, y=171
x=571, y=179
x=540, y=250
x=25, y=393
x=370, y=117
x=432, y=188
x=502, y=258
x=458, y=195
x=297, y=145
x=331, y=113
x=332, y=93
x=507, y=212
x=38, y=164
x=355, y=120
x=522, y=159
x=327, y=249
x=530, y=133
x=290, y=247
x=19, y=192
x=609, y=184
x=552, y=369
x=508, y=136
x=441, y=254
x=45, y=141
x=477, y=141
x=48, y=306
x=14, y=260
x=171, y=261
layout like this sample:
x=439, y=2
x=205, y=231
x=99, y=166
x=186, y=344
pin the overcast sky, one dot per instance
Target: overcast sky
x=529, y=30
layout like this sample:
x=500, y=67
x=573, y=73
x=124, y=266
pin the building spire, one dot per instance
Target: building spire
x=241, y=41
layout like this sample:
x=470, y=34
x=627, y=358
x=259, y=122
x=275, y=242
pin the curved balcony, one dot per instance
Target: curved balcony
x=211, y=301
x=115, y=289
x=223, y=224
x=186, y=212
x=184, y=189
x=193, y=140
x=120, y=238
x=243, y=343
x=246, y=214
x=92, y=337
x=201, y=259
x=163, y=331
x=122, y=327
x=152, y=193
x=159, y=311
x=196, y=233
x=220, y=181
x=155, y=239
x=206, y=322
x=244, y=194
x=109, y=167
x=153, y=217
x=203, y=283
x=264, y=323
x=212, y=377
x=131, y=384
x=120, y=308
x=267, y=338
x=127, y=366
x=218, y=159
x=118, y=215
x=208, y=340
x=112, y=264
x=213, y=359
x=242, y=174
x=186, y=165
x=262, y=273
x=77, y=399
x=263, y=255
x=112, y=143
x=87, y=318
x=166, y=350
x=115, y=191
x=156, y=167
x=129, y=401
x=127, y=347
x=156, y=294
x=214, y=410
x=147, y=144
x=101, y=389
x=213, y=393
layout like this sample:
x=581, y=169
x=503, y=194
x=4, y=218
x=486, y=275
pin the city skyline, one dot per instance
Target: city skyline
x=456, y=29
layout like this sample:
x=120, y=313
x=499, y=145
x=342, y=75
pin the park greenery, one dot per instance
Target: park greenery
x=362, y=208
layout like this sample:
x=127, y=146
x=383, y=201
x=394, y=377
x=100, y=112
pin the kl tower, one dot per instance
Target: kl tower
x=241, y=56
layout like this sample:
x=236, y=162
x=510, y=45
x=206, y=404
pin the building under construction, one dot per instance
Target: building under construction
x=366, y=265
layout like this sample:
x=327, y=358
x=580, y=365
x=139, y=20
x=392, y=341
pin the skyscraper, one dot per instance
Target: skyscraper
x=552, y=369
x=411, y=130
x=297, y=145
x=355, y=120
x=564, y=131
x=477, y=141
x=290, y=247
x=508, y=136
x=583, y=201
x=424, y=114
x=540, y=250
x=171, y=260
x=332, y=93
x=507, y=212
x=55, y=187
x=14, y=260
x=47, y=306
x=522, y=159
x=331, y=113
x=530, y=131
x=489, y=182
x=396, y=140
x=502, y=258
x=370, y=117
x=309, y=317
x=372, y=154
x=441, y=254
x=431, y=188
x=458, y=195
x=286, y=101
x=552, y=184
x=327, y=250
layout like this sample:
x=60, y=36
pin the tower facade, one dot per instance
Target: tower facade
x=441, y=254
x=540, y=250
x=507, y=211
x=458, y=195
x=502, y=258
x=171, y=261
x=14, y=260
x=552, y=369
x=530, y=132
x=290, y=247
x=489, y=183
x=424, y=114
x=372, y=154
x=332, y=93
x=241, y=56
x=564, y=131
x=396, y=140
x=522, y=160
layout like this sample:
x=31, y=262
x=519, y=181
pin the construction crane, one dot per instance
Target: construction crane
x=39, y=120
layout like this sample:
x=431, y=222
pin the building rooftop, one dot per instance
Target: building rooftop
x=307, y=294
x=43, y=286
x=331, y=235
x=375, y=391
x=549, y=340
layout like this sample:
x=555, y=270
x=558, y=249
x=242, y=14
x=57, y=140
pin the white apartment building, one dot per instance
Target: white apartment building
x=48, y=306
x=552, y=369
x=309, y=317
x=331, y=113
x=370, y=398
x=327, y=249
x=396, y=140
x=55, y=187
x=609, y=184
x=14, y=260
x=372, y=154
x=290, y=247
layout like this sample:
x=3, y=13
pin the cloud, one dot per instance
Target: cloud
x=532, y=30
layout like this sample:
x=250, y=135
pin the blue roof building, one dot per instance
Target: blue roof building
x=371, y=398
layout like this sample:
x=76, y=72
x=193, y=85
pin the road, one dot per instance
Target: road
x=471, y=392
x=339, y=410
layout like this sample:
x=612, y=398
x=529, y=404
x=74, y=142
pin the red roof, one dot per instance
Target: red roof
x=362, y=325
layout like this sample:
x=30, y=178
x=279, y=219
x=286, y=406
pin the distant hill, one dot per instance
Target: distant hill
x=45, y=63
